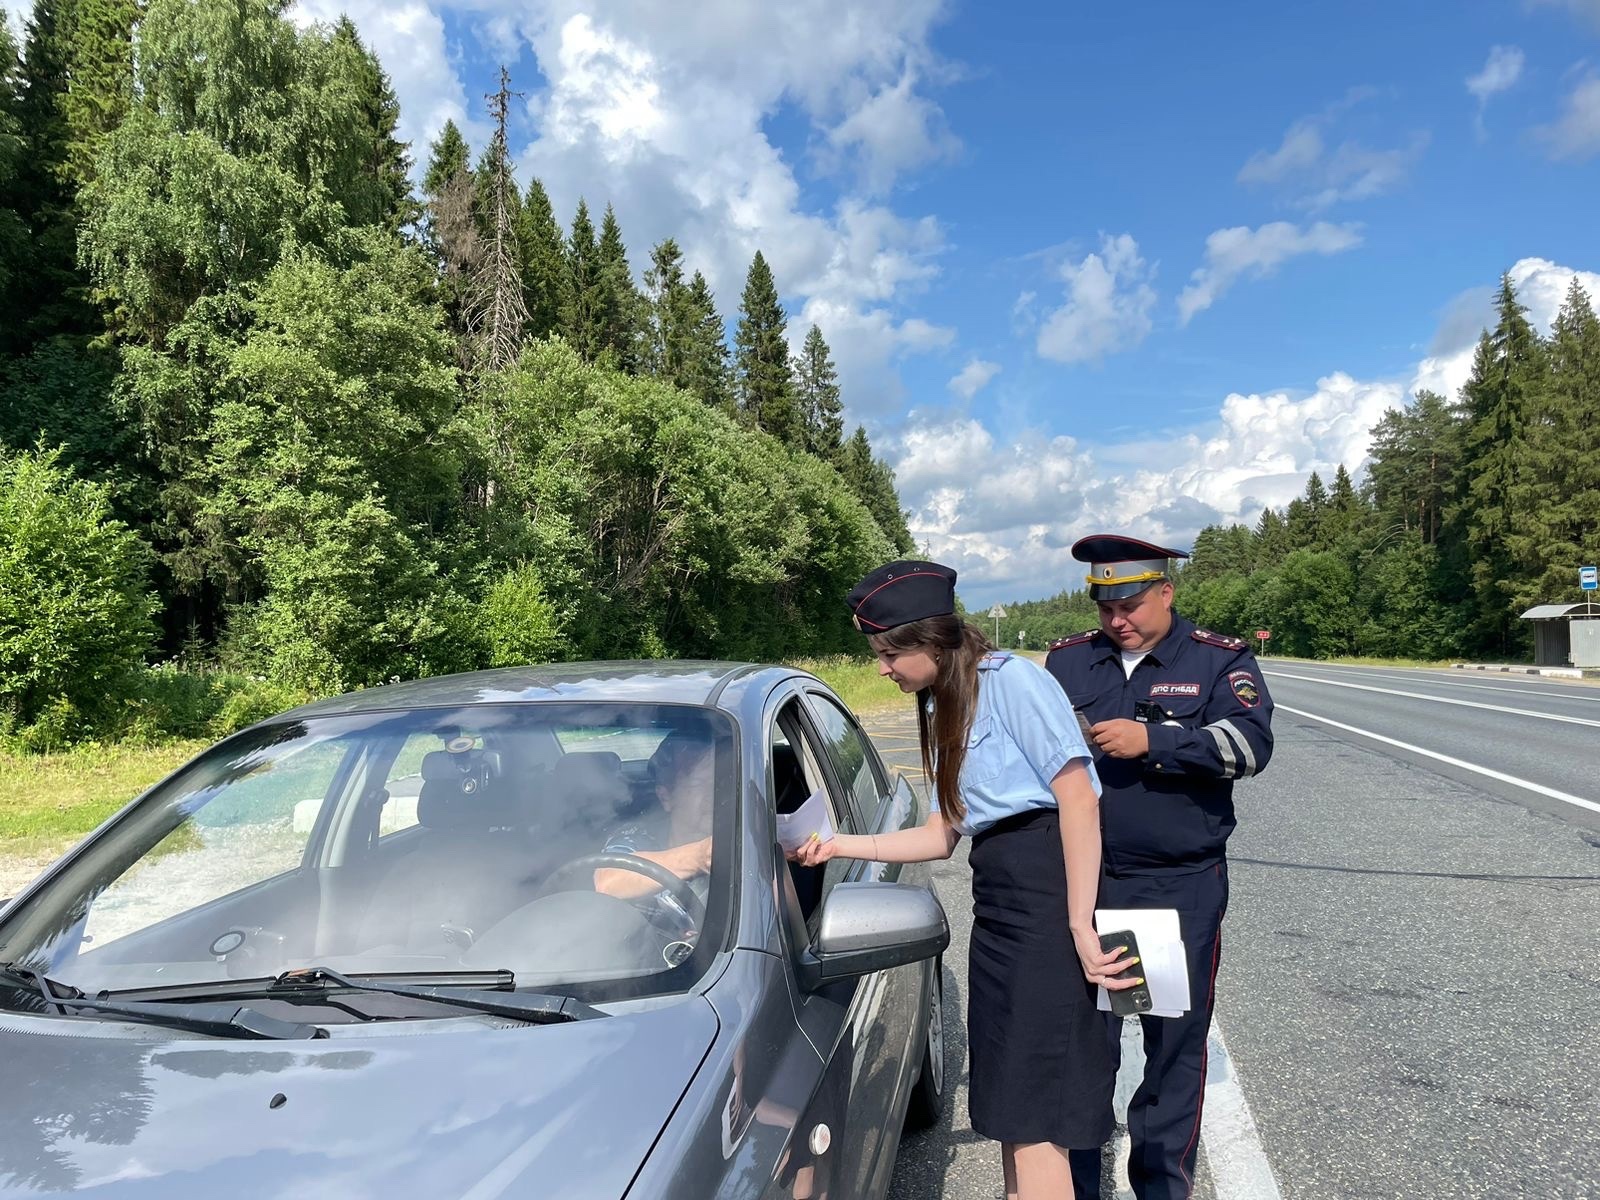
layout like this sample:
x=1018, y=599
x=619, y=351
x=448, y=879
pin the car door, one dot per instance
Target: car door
x=886, y=1033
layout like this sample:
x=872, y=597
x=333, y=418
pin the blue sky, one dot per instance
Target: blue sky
x=1083, y=267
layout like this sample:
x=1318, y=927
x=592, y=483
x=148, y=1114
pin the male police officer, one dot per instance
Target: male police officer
x=1176, y=714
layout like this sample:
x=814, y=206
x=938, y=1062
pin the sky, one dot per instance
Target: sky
x=1084, y=268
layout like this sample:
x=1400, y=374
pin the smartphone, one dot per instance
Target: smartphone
x=1128, y=1002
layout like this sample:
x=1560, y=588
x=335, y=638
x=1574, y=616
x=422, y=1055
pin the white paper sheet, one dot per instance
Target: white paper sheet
x=1161, y=956
x=812, y=817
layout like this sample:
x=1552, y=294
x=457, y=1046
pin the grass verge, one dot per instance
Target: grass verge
x=51, y=800
x=855, y=680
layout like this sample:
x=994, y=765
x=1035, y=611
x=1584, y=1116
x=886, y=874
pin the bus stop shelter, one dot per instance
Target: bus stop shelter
x=1565, y=634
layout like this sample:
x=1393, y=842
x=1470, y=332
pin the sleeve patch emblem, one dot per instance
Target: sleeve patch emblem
x=1174, y=689
x=1245, y=688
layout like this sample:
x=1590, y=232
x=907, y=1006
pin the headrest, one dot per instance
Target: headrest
x=590, y=781
x=458, y=790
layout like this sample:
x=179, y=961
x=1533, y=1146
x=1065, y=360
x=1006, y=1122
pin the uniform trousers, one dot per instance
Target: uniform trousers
x=1164, y=1113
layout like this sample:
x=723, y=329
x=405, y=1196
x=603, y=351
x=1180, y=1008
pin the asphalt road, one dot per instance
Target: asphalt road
x=1411, y=977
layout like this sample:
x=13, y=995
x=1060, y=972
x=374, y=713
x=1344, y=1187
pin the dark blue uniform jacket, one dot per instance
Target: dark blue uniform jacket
x=1210, y=722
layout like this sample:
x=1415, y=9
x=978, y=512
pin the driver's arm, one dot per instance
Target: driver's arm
x=686, y=861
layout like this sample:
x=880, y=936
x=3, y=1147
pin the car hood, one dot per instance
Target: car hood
x=474, y=1112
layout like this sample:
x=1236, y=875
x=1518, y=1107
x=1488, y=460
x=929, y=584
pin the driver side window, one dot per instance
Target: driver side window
x=795, y=775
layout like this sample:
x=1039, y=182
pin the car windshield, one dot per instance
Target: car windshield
x=582, y=847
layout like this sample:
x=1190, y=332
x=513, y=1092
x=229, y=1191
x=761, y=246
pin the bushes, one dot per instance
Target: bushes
x=75, y=604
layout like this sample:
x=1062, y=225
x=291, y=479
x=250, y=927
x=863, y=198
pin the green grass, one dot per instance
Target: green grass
x=856, y=680
x=48, y=801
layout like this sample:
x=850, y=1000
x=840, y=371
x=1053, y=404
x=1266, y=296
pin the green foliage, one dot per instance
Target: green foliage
x=75, y=605
x=351, y=601
x=544, y=272
x=872, y=481
x=520, y=624
x=817, y=394
x=761, y=356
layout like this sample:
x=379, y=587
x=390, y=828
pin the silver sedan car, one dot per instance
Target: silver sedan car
x=525, y=933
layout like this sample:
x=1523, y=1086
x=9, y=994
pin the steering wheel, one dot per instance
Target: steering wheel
x=614, y=860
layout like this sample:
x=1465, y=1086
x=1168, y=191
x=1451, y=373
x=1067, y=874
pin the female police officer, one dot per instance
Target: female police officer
x=1010, y=769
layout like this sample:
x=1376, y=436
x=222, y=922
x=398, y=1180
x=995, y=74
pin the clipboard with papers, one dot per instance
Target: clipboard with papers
x=1161, y=956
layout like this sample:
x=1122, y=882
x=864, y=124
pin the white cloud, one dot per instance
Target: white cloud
x=1108, y=304
x=661, y=111
x=1005, y=513
x=1582, y=8
x=1576, y=135
x=1500, y=72
x=18, y=11
x=1239, y=251
x=973, y=378
x=1541, y=288
x=1315, y=177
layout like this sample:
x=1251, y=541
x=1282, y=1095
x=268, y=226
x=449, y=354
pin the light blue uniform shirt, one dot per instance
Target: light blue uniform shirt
x=1023, y=733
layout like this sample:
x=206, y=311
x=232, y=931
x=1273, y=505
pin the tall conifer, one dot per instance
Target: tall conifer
x=817, y=391
x=761, y=358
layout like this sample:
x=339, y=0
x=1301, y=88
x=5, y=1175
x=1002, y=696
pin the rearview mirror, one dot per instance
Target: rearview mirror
x=868, y=927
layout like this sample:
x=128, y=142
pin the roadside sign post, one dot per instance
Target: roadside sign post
x=997, y=612
x=1588, y=580
x=1261, y=636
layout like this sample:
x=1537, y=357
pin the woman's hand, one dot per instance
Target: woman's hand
x=1099, y=967
x=814, y=853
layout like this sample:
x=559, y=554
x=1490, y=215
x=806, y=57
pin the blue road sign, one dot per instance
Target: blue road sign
x=1588, y=578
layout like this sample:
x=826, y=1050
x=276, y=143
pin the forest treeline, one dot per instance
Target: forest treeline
x=1471, y=510
x=266, y=408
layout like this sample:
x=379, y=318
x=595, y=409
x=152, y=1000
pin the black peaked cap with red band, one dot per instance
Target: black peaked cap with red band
x=898, y=593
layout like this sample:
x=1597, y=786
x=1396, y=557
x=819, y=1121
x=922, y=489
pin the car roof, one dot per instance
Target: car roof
x=676, y=681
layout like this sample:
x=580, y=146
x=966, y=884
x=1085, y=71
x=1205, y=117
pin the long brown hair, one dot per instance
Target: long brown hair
x=958, y=646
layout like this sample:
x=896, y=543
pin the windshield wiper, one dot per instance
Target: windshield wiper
x=522, y=1006
x=216, y=1019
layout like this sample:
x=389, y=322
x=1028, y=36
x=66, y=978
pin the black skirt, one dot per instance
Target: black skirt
x=1040, y=1052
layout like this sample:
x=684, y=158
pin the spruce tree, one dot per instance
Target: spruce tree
x=1557, y=499
x=1270, y=544
x=817, y=391
x=582, y=315
x=14, y=235
x=448, y=157
x=761, y=358
x=707, y=370
x=873, y=484
x=499, y=310
x=385, y=198
x=1496, y=456
x=670, y=329
x=452, y=232
x=544, y=269
x=621, y=306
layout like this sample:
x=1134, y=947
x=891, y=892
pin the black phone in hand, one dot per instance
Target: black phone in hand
x=1128, y=1002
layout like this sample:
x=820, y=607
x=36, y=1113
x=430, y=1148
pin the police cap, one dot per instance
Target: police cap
x=1120, y=567
x=901, y=592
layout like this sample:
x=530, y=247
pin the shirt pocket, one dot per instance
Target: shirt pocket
x=1184, y=711
x=985, y=758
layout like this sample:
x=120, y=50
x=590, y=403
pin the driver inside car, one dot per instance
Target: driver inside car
x=676, y=834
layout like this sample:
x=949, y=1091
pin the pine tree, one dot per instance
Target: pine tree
x=817, y=392
x=621, y=306
x=707, y=371
x=544, y=270
x=761, y=358
x=582, y=315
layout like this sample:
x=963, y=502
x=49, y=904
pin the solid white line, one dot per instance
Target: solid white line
x=1568, y=797
x=1428, y=677
x=1499, y=708
x=1233, y=1150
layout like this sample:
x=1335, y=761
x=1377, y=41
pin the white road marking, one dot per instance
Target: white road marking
x=1569, y=693
x=1233, y=1150
x=1229, y=1143
x=1568, y=797
x=1499, y=708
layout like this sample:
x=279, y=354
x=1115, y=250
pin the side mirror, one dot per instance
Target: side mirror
x=869, y=927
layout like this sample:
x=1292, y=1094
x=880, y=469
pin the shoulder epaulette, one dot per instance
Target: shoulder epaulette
x=1075, y=640
x=994, y=660
x=1219, y=639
